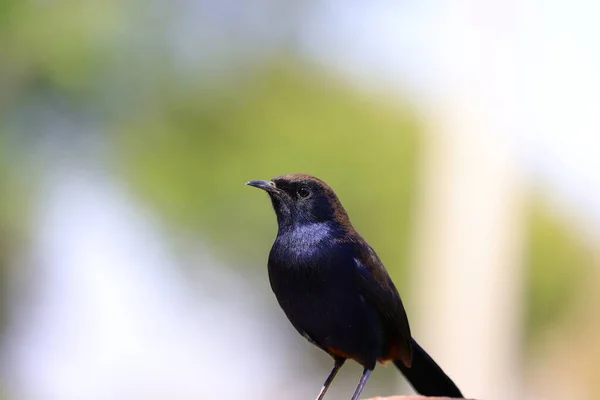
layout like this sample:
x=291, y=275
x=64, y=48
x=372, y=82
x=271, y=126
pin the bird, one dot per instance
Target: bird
x=335, y=291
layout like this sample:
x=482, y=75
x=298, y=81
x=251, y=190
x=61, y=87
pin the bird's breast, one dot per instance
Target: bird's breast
x=302, y=243
x=309, y=261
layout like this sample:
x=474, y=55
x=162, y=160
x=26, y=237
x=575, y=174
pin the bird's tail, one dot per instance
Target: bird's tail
x=426, y=377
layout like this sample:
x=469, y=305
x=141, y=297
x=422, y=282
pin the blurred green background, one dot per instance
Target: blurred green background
x=180, y=104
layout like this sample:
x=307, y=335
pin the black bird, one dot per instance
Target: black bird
x=336, y=292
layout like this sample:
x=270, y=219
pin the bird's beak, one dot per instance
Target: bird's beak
x=267, y=186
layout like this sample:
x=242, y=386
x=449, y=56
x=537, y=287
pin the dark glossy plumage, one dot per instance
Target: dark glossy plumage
x=334, y=289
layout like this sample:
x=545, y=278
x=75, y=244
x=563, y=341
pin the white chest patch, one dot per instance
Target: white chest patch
x=304, y=239
x=311, y=233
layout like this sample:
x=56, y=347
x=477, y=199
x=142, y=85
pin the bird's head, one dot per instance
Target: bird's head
x=301, y=199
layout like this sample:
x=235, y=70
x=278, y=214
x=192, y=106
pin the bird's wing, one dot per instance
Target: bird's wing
x=377, y=288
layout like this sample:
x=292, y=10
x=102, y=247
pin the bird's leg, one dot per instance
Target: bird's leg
x=336, y=367
x=361, y=383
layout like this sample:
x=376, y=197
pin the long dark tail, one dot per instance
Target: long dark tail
x=426, y=377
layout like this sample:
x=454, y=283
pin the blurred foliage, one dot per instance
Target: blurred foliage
x=13, y=209
x=558, y=262
x=192, y=155
x=65, y=43
x=3, y=247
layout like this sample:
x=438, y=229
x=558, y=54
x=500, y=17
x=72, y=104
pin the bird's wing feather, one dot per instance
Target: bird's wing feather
x=377, y=288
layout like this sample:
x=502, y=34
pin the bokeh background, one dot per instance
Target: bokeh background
x=463, y=137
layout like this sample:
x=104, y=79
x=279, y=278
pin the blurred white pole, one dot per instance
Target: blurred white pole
x=468, y=279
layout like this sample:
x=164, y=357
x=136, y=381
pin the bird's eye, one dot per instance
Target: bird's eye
x=303, y=192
